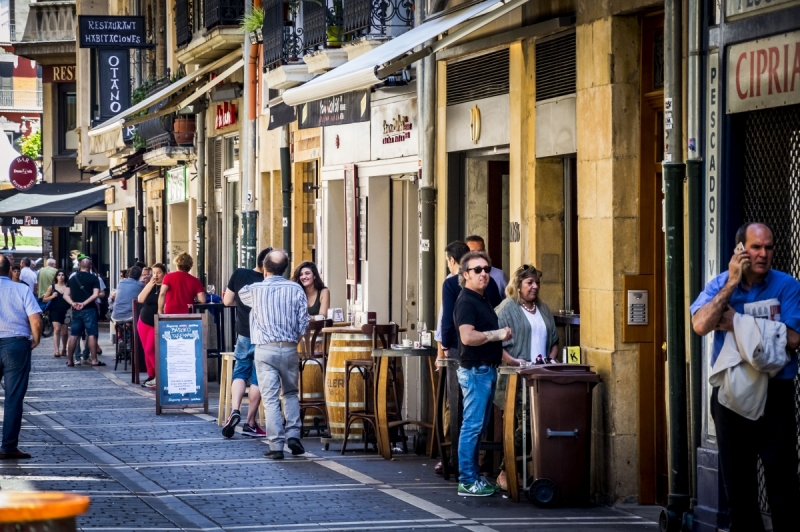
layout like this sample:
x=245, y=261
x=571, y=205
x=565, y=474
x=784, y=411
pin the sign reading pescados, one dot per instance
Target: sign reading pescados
x=22, y=173
x=111, y=32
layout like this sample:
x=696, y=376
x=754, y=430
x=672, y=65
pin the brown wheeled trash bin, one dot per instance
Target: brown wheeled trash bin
x=561, y=425
x=29, y=511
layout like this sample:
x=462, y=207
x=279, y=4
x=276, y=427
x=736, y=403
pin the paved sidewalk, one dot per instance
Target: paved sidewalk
x=92, y=432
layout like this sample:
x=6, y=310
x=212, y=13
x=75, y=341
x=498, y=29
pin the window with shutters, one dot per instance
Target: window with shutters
x=476, y=78
x=216, y=163
x=7, y=84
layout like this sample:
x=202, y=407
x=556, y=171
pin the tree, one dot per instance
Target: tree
x=31, y=146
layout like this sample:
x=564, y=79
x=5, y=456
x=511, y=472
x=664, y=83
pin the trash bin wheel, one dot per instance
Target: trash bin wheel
x=544, y=493
x=669, y=521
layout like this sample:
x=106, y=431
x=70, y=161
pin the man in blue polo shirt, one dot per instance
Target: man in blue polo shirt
x=751, y=286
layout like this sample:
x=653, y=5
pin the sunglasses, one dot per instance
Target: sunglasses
x=480, y=269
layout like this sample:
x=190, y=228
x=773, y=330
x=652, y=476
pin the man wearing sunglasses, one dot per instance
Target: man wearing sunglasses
x=480, y=351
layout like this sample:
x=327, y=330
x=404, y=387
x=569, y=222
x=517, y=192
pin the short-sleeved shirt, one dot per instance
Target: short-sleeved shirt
x=241, y=278
x=28, y=276
x=183, y=288
x=82, y=285
x=474, y=309
x=47, y=276
x=16, y=297
x=777, y=298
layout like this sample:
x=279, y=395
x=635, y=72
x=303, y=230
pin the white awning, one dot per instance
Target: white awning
x=375, y=65
x=108, y=135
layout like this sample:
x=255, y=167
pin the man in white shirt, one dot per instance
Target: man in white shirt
x=28, y=276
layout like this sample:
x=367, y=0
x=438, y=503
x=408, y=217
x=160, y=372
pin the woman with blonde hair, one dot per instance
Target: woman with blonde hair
x=535, y=336
x=180, y=289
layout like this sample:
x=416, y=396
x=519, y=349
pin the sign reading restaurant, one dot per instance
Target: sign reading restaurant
x=764, y=73
x=111, y=32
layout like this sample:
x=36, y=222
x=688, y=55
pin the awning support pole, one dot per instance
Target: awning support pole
x=674, y=171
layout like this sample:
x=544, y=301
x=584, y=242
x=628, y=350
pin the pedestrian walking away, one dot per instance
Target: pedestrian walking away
x=148, y=297
x=59, y=302
x=20, y=329
x=180, y=289
x=244, y=352
x=46, y=277
x=84, y=289
x=752, y=287
x=28, y=276
x=278, y=318
x=480, y=352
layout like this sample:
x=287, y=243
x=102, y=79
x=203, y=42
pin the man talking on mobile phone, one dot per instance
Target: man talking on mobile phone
x=751, y=286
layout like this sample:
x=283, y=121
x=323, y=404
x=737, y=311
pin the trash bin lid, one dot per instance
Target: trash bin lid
x=560, y=373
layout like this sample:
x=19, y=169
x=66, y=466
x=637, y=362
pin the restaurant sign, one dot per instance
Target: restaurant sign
x=22, y=172
x=114, y=82
x=226, y=115
x=347, y=108
x=764, y=73
x=735, y=8
x=58, y=73
x=111, y=32
x=177, y=185
x=394, y=130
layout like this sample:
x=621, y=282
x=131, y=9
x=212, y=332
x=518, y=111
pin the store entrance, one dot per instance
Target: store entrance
x=477, y=200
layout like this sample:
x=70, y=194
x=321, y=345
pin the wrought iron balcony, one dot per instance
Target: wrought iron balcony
x=223, y=13
x=322, y=23
x=160, y=131
x=184, y=9
x=283, y=39
x=21, y=99
x=377, y=17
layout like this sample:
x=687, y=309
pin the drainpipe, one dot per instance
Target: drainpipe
x=200, y=142
x=286, y=190
x=694, y=176
x=249, y=212
x=138, y=189
x=674, y=170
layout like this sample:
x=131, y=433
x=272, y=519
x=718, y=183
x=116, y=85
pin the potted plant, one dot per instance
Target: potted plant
x=252, y=24
x=183, y=128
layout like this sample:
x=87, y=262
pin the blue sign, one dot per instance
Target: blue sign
x=181, y=380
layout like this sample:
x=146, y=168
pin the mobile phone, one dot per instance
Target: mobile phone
x=739, y=248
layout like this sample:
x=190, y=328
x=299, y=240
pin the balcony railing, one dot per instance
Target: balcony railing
x=377, y=17
x=183, y=21
x=322, y=24
x=20, y=99
x=223, y=13
x=283, y=39
x=50, y=21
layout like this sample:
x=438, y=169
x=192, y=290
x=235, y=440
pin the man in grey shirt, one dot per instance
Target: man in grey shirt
x=127, y=291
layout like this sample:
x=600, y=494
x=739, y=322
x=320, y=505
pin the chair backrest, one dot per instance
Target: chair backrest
x=385, y=334
x=309, y=340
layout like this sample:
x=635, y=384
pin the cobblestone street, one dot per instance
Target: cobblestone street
x=92, y=432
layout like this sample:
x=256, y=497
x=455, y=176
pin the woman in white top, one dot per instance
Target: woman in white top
x=534, y=335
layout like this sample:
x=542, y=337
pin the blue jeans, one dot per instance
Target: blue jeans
x=84, y=321
x=244, y=352
x=278, y=370
x=15, y=366
x=477, y=386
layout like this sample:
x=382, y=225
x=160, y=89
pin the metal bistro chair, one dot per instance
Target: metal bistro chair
x=123, y=334
x=223, y=328
x=310, y=355
x=386, y=335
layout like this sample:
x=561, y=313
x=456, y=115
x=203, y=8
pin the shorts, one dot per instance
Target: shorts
x=9, y=228
x=244, y=352
x=84, y=320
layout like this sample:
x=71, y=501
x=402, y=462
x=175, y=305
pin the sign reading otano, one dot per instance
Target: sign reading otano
x=764, y=73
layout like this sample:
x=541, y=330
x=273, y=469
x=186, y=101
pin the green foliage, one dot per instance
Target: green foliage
x=253, y=21
x=31, y=146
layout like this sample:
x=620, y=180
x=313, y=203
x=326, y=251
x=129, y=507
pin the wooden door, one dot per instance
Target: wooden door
x=653, y=474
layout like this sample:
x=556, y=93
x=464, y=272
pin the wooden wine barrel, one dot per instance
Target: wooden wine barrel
x=345, y=346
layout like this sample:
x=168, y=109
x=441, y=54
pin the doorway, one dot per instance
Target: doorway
x=653, y=473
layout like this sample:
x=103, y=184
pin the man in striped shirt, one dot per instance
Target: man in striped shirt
x=278, y=318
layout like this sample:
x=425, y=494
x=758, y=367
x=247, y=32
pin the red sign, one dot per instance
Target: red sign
x=226, y=115
x=22, y=173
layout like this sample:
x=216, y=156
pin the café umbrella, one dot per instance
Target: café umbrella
x=7, y=155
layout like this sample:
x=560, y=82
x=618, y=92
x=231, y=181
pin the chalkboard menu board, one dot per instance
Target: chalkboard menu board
x=181, y=379
x=351, y=221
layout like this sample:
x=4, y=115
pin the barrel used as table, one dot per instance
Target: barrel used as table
x=23, y=511
x=345, y=345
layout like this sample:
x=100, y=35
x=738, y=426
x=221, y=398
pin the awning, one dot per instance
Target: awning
x=121, y=171
x=49, y=204
x=375, y=65
x=108, y=135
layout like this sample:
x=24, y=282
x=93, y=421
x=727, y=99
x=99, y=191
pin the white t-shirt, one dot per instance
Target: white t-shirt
x=538, y=334
x=28, y=276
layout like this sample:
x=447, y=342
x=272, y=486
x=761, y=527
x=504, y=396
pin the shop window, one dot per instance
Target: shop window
x=7, y=84
x=231, y=153
x=67, y=119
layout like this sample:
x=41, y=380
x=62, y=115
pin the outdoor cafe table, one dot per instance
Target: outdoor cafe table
x=446, y=365
x=383, y=358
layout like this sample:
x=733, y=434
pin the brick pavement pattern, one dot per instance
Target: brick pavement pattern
x=90, y=431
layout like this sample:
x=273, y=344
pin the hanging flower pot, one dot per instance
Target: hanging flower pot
x=183, y=129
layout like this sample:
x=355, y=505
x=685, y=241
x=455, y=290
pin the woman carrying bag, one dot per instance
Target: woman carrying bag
x=535, y=336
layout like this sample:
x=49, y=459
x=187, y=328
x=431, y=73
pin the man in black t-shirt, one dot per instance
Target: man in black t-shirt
x=84, y=288
x=480, y=351
x=244, y=352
